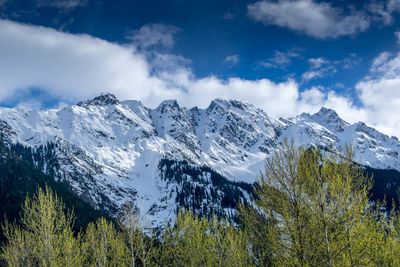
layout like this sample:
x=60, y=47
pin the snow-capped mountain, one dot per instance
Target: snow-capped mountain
x=113, y=152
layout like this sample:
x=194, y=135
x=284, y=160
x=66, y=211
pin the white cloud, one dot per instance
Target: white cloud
x=379, y=92
x=281, y=59
x=312, y=74
x=31, y=104
x=382, y=64
x=321, y=67
x=315, y=97
x=165, y=62
x=75, y=67
x=72, y=68
x=232, y=60
x=380, y=12
x=152, y=35
x=317, y=63
x=316, y=19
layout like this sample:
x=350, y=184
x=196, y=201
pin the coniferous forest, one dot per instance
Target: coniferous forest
x=310, y=208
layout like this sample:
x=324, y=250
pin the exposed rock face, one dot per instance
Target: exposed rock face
x=112, y=152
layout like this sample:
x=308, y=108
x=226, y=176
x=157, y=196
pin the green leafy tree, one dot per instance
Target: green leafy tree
x=187, y=243
x=195, y=241
x=231, y=246
x=104, y=245
x=44, y=236
x=18, y=249
x=312, y=208
x=140, y=246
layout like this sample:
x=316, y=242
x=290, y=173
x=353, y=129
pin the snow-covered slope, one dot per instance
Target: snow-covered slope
x=113, y=152
x=326, y=128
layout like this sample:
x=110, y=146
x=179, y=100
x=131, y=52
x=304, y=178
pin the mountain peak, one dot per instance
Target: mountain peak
x=218, y=101
x=103, y=99
x=331, y=118
x=113, y=155
x=327, y=115
x=168, y=105
x=326, y=112
x=228, y=103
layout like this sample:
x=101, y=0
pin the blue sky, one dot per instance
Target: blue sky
x=285, y=56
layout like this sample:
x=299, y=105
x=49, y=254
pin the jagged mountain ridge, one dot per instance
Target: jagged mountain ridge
x=110, y=151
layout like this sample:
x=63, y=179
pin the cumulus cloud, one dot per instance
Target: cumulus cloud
x=318, y=96
x=153, y=35
x=72, y=68
x=75, y=67
x=316, y=19
x=380, y=94
x=67, y=65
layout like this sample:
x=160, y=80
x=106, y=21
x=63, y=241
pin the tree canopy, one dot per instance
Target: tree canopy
x=310, y=208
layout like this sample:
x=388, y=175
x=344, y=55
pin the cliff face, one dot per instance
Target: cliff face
x=113, y=152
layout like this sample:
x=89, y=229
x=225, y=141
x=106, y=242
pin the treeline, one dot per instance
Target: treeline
x=44, y=237
x=309, y=209
x=19, y=178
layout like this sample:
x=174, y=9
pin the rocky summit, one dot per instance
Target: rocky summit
x=113, y=152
